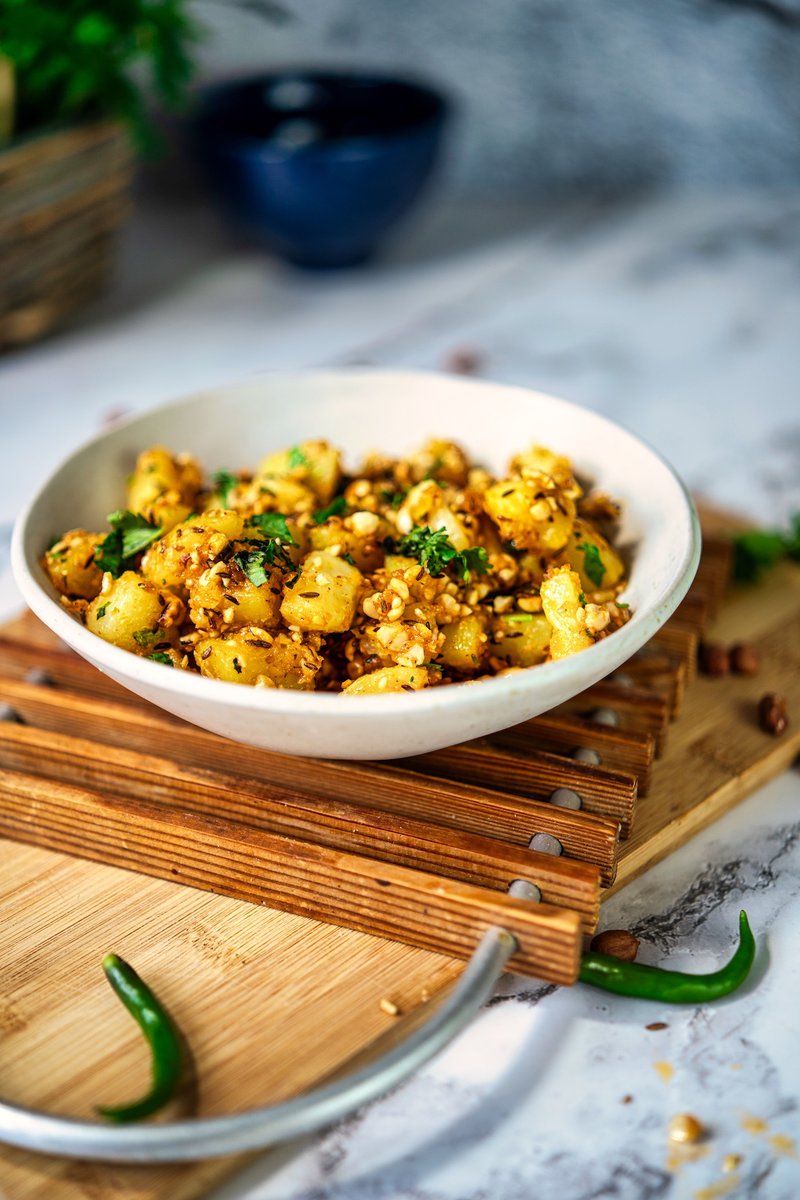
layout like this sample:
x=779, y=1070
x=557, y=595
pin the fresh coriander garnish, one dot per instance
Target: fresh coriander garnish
x=622, y=604
x=349, y=558
x=146, y=637
x=160, y=657
x=336, y=508
x=436, y=553
x=592, y=562
x=101, y=612
x=519, y=617
x=757, y=549
x=224, y=482
x=131, y=534
x=297, y=458
x=435, y=467
x=582, y=598
x=395, y=499
x=273, y=525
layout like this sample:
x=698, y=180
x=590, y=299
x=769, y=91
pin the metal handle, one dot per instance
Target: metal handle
x=209, y=1137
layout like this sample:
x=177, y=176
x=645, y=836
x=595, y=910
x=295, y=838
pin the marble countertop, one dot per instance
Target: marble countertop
x=679, y=317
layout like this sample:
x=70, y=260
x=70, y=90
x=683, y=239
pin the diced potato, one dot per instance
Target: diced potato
x=464, y=644
x=71, y=567
x=314, y=463
x=531, y=512
x=388, y=679
x=255, y=656
x=538, y=460
x=157, y=472
x=399, y=562
x=360, y=535
x=183, y=553
x=223, y=597
x=562, y=602
x=440, y=459
x=271, y=494
x=589, y=553
x=325, y=596
x=131, y=612
x=425, y=505
x=521, y=639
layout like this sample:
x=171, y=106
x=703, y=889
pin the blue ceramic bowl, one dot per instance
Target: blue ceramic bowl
x=316, y=165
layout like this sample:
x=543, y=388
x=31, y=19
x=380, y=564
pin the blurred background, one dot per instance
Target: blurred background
x=598, y=200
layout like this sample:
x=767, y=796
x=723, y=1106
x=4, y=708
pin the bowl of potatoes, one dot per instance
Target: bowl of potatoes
x=358, y=564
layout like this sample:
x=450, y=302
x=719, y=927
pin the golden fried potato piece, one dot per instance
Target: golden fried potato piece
x=256, y=656
x=160, y=475
x=564, y=609
x=388, y=679
x=591, y=555
x=71, y=567
x=531, y=512
x=521, y=639
x=325, y=596
x=183, y=553
x=135, y=614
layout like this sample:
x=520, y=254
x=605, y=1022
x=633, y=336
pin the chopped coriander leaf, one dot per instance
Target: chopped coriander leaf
x=395, y=499
x=336, y=508
x=53, y=542
x=297, y=458
x=101, y=612
x=273, y=525
x=255, y=562
x=224, y=482
x=582, y=598
x=520, y=617
x=755, y=550
x=160, y=657
x=592, y=562
x=623, y=604
x=435, y=467
x=349, y=558
x=436, y=553
x=131, y=533
x=146, y=637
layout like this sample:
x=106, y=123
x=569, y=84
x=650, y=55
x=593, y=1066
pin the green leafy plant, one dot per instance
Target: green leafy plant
x=755, y=550
x=77, y=60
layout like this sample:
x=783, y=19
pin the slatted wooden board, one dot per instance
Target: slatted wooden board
x=274, y=1000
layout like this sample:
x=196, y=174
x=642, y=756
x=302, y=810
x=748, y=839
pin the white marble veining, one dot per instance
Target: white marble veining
x=680, y=318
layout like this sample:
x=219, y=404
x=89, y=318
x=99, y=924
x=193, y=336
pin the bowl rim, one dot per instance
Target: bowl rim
x=588, y=666
x=442, y=108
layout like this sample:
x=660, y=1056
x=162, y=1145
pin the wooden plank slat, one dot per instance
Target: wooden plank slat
x=386, y=837
x=477, y=810
x=537, y=775
x=619, y=749
x=639, y=709
x=410, y=906
x=655, y=672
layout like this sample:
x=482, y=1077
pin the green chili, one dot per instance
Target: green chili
x=672, y=987
x=160, y=1033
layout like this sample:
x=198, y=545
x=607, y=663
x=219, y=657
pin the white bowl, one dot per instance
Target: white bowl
x=234, y=426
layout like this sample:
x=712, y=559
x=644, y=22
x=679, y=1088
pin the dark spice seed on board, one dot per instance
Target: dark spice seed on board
x=772, y=714
x=714, y=659
x=745, y=659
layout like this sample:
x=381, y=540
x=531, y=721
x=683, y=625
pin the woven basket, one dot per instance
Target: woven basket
x=62, y=197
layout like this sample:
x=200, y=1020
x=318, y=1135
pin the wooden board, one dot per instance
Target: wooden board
x=273, y=1002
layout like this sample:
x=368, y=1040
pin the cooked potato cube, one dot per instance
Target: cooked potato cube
x=131, y=612
x=71, y=567
x=325, y=596
x=464, y=645
x=521, y=639
x=183, y=553
x=563, y=605
x=255, y=656
x=425, y=505
x=531, y=512
x=589, y=553
x=388, y=679
x=158, y=472
x=314, y=463
x=538, y=460
x=224, y=597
